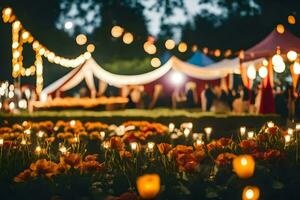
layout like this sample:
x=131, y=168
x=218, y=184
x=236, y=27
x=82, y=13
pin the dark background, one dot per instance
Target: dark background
x=236, y=32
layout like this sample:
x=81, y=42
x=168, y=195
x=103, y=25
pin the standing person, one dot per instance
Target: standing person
x=191, y=95
x=209, y=96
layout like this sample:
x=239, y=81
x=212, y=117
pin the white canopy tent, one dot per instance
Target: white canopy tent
x=90, y=68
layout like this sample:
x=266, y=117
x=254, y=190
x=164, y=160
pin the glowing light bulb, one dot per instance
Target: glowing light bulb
x=151, y=146
x=263, y=72
x=170, y=44
x=68, y=25
x=251, y=72
x=296, y=68
x=133, y=146
x=155, y=62
x=292, y=55
x=182, y=47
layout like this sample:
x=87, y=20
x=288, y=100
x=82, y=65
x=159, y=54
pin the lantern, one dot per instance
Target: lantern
x=170, y=44
x=279, y=68
x=148, y=185
x=296, y=68
x=277, y=59
x=155, y=62
x=182, y=47
x=263, y=72
x=292, y=55
x=127, y=38
x=81, y=39
x=250, y=193
x=291, y=19
x=280, y=28
x=244, y=166
x=251, y=72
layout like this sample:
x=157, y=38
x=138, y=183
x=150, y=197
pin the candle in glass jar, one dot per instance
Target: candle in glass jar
x=148, y=186
x=251, y=193
x=244, y=166
x=243, y=130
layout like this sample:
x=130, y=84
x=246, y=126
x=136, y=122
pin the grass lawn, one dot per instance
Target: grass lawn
x=227, y=123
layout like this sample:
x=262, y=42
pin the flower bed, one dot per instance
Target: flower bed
x=144, y=160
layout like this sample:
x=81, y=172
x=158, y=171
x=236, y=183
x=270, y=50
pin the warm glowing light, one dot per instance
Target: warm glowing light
x=170, y=44
x=81, y=39
x=22, y=104
x=133, y=146
x=63, y=149
x=290, y=131
x=117, y=31
x=149, y=48
x=244, y=166
x=291, y=19
x=127, y=38
x=148, y=186
x=265, y=62
x=270, y=124
x=280, y=28
x=25, y=35
x=182, y=47
x=7, y=11
x=11, y=105
x=251, y=72
x=1, y=141
x=296, y=68
x=87, y=55
x=292, y=55
x=150, y=146
x=279, y=68
x=38, y=150
x=186, y=132
x=250, y=134
x=208, y=131
x=243, y=130
x=177, y=78
x=194, y=48
x=155, y=62
x=72, y=123
x=287, y=138
x=263, y=72
x=90, y=48
x=171, y=127
x=68, y=25
x=16, y=24
x=250, y=193
x=40, y=134
x=217, y=52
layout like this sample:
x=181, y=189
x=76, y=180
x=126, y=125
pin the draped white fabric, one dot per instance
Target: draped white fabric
x=120, y=80
x=91, y=68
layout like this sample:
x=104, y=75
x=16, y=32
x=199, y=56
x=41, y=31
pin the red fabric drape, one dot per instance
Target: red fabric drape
x=267, y=104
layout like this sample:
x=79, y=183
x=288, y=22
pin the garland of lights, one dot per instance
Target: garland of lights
x=21, y=36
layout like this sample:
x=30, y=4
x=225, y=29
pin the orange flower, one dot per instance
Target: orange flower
x=91, y=157
x=272, y=154
x=225, y=159
x=50, y=139
x=72, y=159
x=248, y=145
x=164, y=148
x=43, y=167
x=62, y=168
x=90, y=166
x=117, y=144
x=95, y=135
x=125, y=154
x=23, y=176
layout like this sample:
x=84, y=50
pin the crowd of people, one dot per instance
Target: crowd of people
x=213, y=98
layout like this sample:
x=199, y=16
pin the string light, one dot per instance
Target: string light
x=182, y=47
x=292, y=55
x=81, y=39
x=296, y=68
x=90, y=48
x=280, y=28
x=117, y=31
x=170, y=44
x=263, y=72
x=21, y=36
x=127, y=38
x=291, y=19
x=155, y=62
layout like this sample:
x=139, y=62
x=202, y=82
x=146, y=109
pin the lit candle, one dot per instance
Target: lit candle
x=40, y=134
x=27, y=131
x=242, y=130
x=270, y=124
x=151, y=146
x=171, y=127
x=287, y=139
x=148, y=186
x=298, y=127
x=251, y=193
x=1, y=141
x=38, y=150
x=133, y=146
x=72, y=123
x=244, y=166
x=208, y=131
x=250, y=134
x=102, y=135
x=105, y=144
x=199, y=142
x=290, y=131
x=23, y=141
x=186, y=132
x=195, y=136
